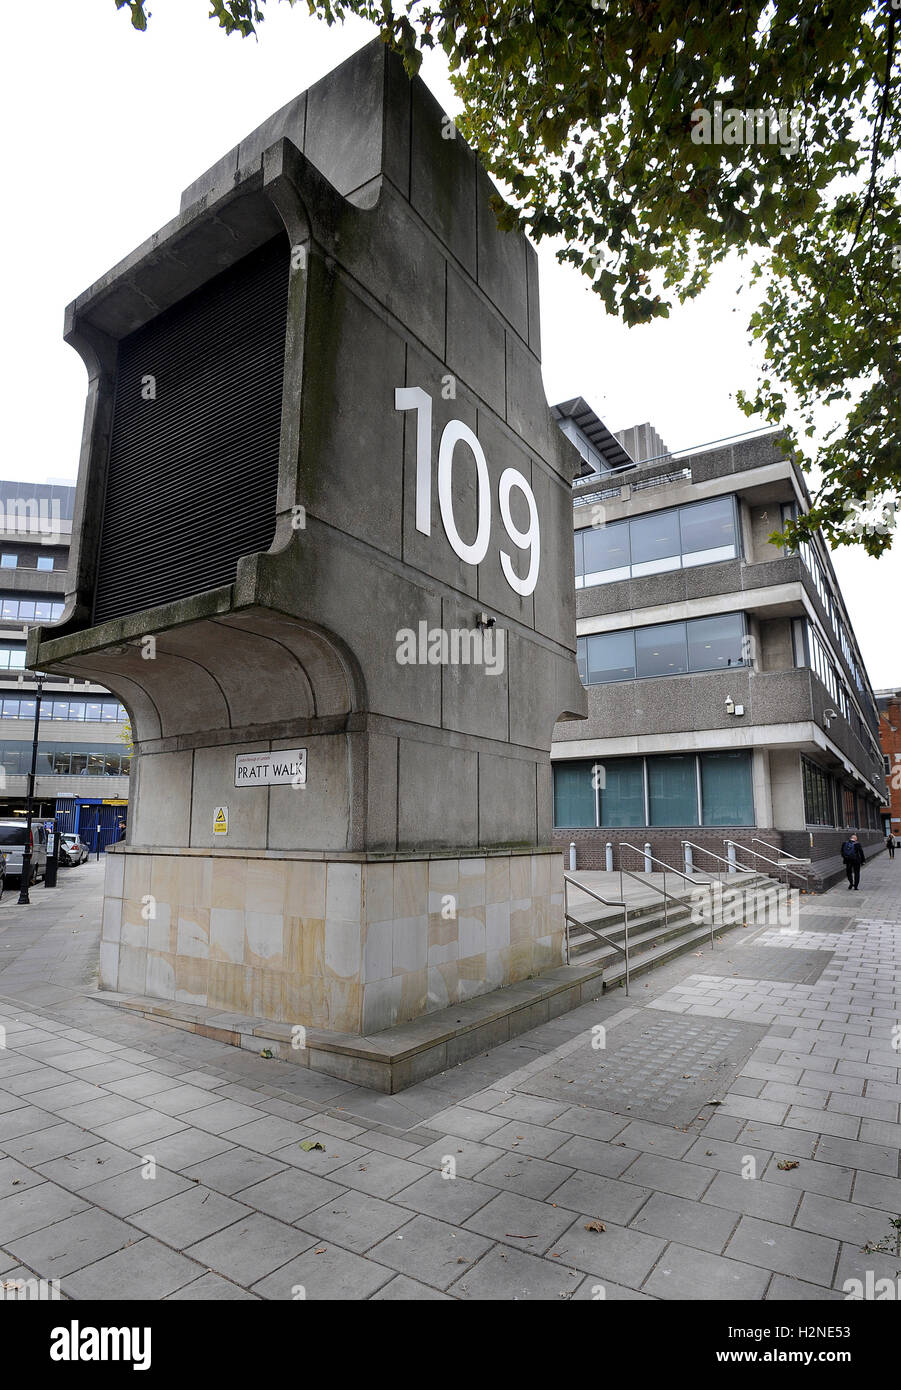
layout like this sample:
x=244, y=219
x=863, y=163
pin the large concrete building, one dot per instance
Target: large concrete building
x=727, y=695
x=83, y=761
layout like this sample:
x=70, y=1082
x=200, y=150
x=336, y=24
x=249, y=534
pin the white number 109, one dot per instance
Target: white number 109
x=456, y=432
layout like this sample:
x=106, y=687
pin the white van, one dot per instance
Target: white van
x=12, y=846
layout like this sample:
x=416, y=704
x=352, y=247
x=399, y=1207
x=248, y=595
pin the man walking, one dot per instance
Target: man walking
x=853, y=855
x=890, y=845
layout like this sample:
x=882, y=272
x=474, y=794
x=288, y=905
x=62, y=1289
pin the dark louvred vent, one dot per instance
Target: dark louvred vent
x=193, y=473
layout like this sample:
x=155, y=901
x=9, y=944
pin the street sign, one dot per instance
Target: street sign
x=285, y=768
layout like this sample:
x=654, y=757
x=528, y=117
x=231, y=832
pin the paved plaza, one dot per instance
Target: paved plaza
x=730, y=1131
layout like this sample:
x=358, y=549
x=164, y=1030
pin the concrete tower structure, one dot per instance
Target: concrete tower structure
x=322, y=552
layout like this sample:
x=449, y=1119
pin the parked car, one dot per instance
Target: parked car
x=12, y=847
x=72, y=850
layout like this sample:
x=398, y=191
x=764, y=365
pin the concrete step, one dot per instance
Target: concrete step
x=686, y=941
x=655, y=937
x=653, y=916
x=588, y=910
x=584, y=947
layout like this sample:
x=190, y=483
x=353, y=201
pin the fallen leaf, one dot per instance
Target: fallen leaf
x=595, y=1226
x=786, y=1164
x=309, y=1144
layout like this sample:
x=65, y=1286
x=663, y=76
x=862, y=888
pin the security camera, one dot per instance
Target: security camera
x=730, y=705
x=484, y=621
x=830, y=714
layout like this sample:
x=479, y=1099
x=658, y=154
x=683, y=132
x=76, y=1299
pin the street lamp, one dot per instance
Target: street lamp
x=29, y=801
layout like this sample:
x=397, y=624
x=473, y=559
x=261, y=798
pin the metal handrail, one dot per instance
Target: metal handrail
x=713, y=855
x=787, y=868
x=730, y=865
x=607, y=902
x=624, y=844
x=667, y=868
x=783, y=854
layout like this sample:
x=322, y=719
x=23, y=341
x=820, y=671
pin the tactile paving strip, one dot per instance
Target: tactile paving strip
x=663, y=1070
x=781, y=957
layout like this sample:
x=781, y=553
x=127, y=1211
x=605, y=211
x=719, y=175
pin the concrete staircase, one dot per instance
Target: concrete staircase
x=658, y=933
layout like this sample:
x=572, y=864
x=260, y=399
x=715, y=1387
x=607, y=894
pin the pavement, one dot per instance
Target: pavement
x=730, y=1131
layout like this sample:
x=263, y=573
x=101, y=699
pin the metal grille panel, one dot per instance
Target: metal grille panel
x=193, y=471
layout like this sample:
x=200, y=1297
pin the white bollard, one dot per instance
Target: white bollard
x=689, y=859
x=647, y=857
x=608, y=857
x=572, y=856
x=730, y=855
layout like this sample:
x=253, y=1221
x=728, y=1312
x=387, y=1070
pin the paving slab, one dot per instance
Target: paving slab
x=71, y=1243
x=233, y=1170
x=325, y=1272
x=432, y=1251
x=145, y=1270
x=688, y=1274
x=182, y=1220
x=784, y=1250
x=357, y=1221
x=250, y=1248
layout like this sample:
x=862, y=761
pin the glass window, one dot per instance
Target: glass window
x=111, y=765
x=582, y=658
x=76, y=709
x=96, y=765
x=10, y=608
x=26, y=709
x=621, y=783
x=673, y=789
x=655, y=543
x=574, y=796
x=8, y=562
x=56, y=611
x=818, y=801
x=79, y=763
x=17, y=659
x=109, y=711
x=10, y=709
x=92, y=711
x=59, y=709
x=708, y=532
x=714, y=644
x=849, y=806
x=606, y=553
x=726, y=795
x=611, y=657
x=660, y=650
x=61, y=764
x=45, y=562
x=43, y=612
x=122, y=716
x=26, y=609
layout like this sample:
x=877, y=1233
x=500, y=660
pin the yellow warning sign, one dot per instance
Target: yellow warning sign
x=220, y=820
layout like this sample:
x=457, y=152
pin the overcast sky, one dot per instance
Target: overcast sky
x=105, y=126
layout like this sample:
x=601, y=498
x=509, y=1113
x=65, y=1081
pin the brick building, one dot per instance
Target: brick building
x=888, y=703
